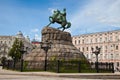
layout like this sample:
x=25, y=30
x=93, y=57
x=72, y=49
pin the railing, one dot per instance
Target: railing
x=60, y=66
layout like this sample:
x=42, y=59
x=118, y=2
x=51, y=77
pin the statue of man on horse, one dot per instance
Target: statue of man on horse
x=60, y=18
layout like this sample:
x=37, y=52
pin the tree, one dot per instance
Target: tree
x=3, y=60
x=15, y=51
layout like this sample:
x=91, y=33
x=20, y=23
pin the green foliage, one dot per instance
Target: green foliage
x=53, y=58
x=3, y=60
x=15, y=52
x=25, y=63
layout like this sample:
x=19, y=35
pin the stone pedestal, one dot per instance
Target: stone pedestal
x=61, y=48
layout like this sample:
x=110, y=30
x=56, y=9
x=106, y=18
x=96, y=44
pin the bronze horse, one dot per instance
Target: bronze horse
x=60, y=18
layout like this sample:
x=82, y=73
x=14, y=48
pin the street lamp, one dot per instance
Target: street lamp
x=22, y=50
x=46, y=46
x=96, y=52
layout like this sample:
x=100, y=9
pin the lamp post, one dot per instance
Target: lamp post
x=46, y=46
x=96, y=52
x=22, y=50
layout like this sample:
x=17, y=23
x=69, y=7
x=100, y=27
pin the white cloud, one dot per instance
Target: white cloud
x=37, y=37
x=109, y=13
x=96, y=13
x=35, y=30
x=68, y=30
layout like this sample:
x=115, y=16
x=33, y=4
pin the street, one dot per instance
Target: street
x=14, y=75
x=23, y=77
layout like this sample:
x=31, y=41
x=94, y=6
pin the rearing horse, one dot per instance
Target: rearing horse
x=60, y=18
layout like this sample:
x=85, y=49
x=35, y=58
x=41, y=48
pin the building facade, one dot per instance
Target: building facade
x=6, y=43
x=35, y=43
x=109, y=42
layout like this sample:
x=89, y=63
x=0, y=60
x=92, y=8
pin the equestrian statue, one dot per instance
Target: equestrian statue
x=60, y=18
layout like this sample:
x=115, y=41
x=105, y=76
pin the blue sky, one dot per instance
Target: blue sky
x=86, y=16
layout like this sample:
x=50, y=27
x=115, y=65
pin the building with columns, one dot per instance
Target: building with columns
x=109, y=42
x=6, y=43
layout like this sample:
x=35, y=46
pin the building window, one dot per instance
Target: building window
x=117, y=56
x=100, y=39
x=101, y=56
x=111, y=46
x=91, y=40
x=83, y=49
x=9, y=42
x=96, y=40
x=105, y=56
x=116, y=38
x=87, y=48
x=83, y=41
x=87, y=41
x=111, y=56
x=117, y=63
x=106, y=47
x=116, y=47
x=106, y=39
x=87, y=56
x=79, y=41
x=101, y=48
x=111, y=39
x=75, y=41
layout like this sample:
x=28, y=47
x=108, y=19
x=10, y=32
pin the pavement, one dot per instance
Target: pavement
x=65, y=75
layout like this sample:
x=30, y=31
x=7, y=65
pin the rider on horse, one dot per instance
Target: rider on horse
x=60, y=18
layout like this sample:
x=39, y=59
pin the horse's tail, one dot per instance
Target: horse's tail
x=48, y=24
x=51, y=19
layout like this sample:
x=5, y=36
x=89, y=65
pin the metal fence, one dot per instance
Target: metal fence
x=60, y=66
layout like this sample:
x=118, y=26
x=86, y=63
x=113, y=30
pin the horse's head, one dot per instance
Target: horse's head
x=55, y=14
